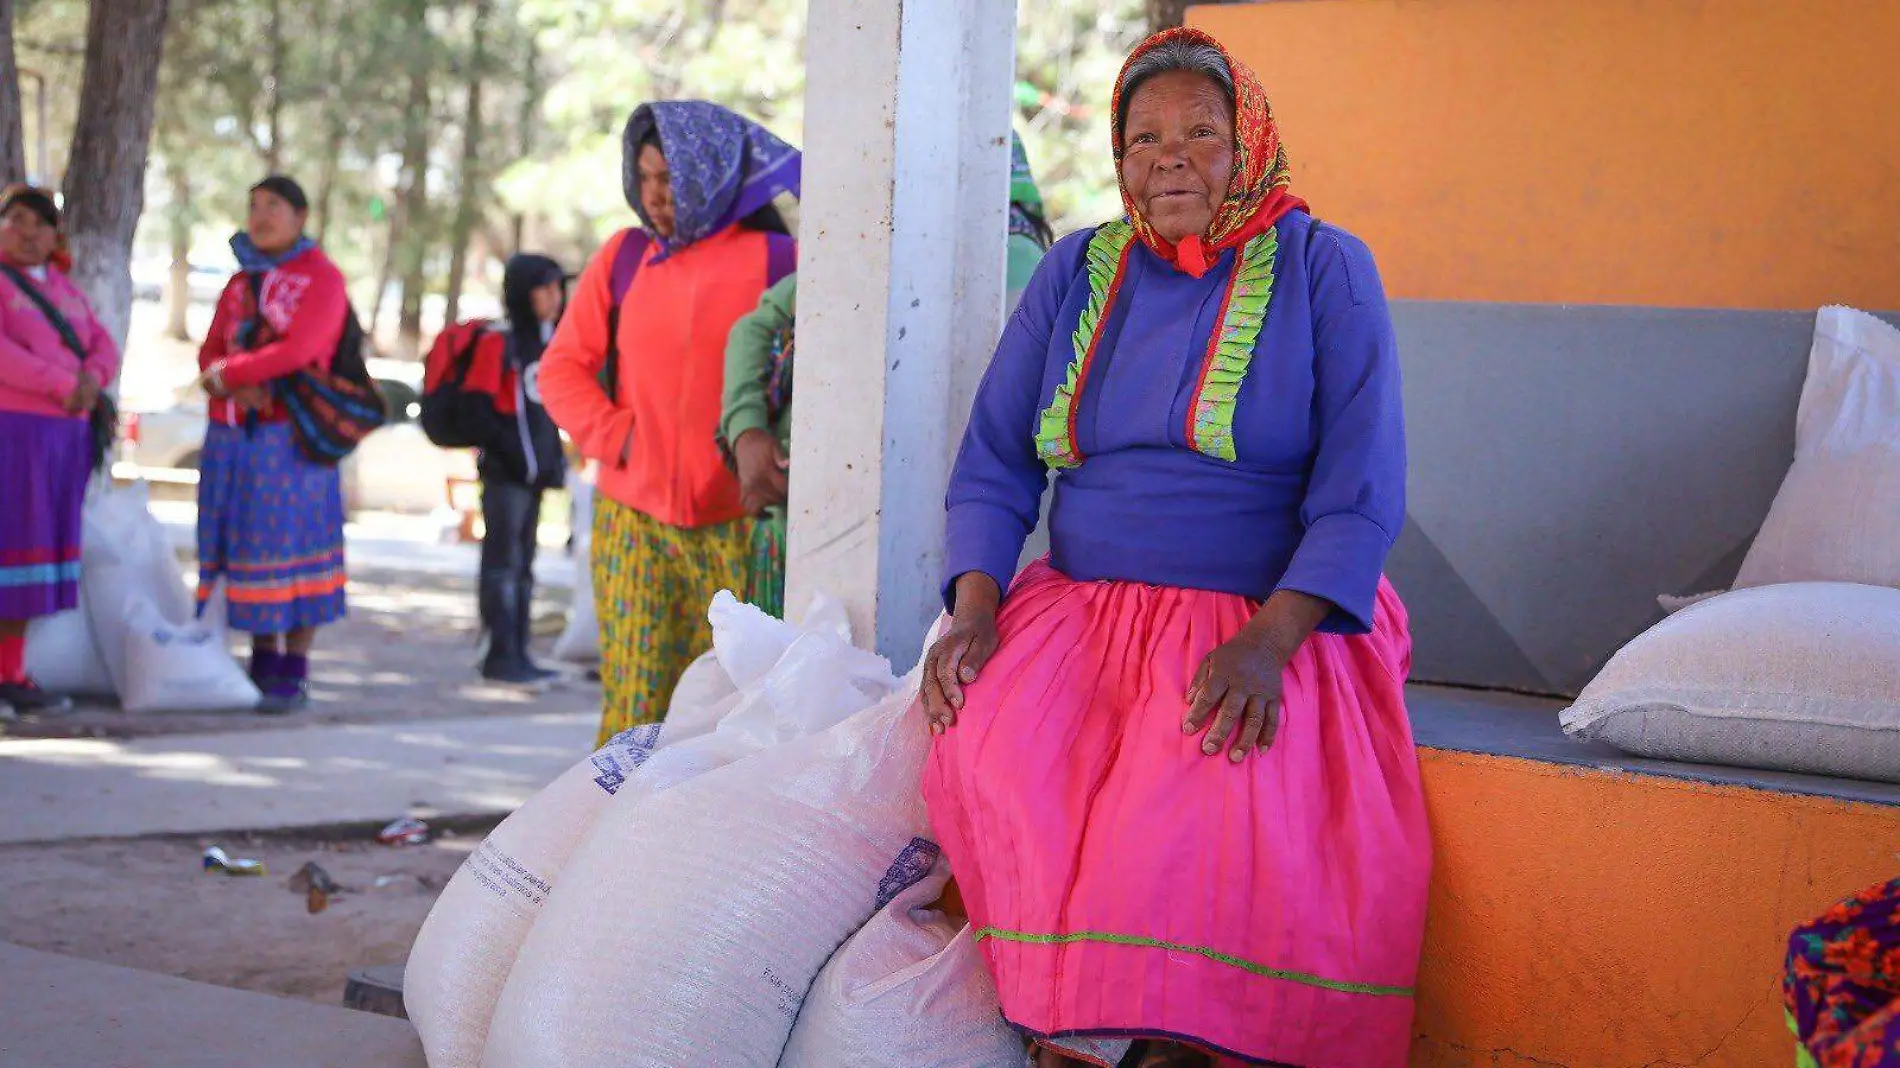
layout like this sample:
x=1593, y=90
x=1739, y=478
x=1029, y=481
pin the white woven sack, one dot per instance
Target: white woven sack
x=579, y=642
x=467, y=946
x=712, y=905
x=1837, y=516
x=909, y=990
x=125, y=555
x=178, y=667
x=62, y=657
x=1794, y=677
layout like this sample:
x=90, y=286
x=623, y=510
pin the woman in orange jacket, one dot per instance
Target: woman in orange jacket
x=634, y=375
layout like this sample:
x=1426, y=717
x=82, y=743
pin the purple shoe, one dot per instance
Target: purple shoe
x=288, y=689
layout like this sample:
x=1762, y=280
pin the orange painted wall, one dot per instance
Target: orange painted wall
x=1591, y=920
x=1732, y=154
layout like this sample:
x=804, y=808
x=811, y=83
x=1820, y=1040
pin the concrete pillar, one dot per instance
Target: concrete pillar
x=907, y=116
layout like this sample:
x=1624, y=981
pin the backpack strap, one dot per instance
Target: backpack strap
x=632, y=250
x=781, y=258
x=464, y=361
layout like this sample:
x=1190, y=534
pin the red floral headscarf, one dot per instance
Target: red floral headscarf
x=1259, y=194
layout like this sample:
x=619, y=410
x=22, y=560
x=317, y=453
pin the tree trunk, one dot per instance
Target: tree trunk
x=274, y=88
x=179, y=296
x=338, y=129
x=413, y=243
x=386, y=271
x=326, y=180
x=471, y=170
x=12, y=108
x=525, y=126
x=105, y=174
x=1167, y=14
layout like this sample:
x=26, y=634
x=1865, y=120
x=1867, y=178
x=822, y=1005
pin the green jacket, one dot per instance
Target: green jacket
x=750, y=348
x=749, y=354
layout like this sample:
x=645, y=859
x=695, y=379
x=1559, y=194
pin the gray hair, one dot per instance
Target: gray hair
x=1195, y=57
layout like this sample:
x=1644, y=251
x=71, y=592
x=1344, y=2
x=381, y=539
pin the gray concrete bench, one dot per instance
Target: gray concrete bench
x=62, y=1012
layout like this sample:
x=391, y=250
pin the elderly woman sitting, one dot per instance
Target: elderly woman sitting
x=1174, y=773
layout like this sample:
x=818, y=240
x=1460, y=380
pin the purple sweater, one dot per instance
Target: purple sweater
x=1317, y=495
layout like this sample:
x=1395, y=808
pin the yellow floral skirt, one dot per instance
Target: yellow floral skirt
x=652, y=584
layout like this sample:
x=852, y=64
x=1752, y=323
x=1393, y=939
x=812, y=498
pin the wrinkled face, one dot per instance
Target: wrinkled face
x=656, y=188
x=26, y=239
x=274, y=225
x=547, y=301
x=1178, y=152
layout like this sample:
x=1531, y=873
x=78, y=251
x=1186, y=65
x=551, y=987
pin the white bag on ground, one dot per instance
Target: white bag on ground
x=178, y=667
x=909, y=990
x=1794, y=677
x=708, y=908
x=62, y=657
x=124, y=556
x=463, y=954
x=579, y=642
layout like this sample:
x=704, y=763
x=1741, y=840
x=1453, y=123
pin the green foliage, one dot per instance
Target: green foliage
x=559, y=81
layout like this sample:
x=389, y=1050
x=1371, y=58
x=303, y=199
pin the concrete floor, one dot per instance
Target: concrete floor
x=61, y=1012
x=56, y=789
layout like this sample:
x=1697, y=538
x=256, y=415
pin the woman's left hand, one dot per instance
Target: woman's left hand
x=1238, y=688
x=250, y=398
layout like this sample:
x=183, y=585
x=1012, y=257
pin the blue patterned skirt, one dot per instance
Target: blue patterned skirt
x=270, y=524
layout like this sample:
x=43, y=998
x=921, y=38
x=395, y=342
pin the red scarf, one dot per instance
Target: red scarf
x=1258, y=195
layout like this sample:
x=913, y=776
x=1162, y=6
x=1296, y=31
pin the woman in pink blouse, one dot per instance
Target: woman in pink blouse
x=55, y=363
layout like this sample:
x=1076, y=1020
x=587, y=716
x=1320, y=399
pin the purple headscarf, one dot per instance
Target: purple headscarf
x=724, y=167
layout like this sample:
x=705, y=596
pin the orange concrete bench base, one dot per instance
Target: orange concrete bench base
x=1583, y=918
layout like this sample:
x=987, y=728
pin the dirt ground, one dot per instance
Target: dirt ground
x=406, y=652
x=148, y=904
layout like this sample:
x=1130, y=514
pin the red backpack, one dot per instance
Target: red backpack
x=453, y=415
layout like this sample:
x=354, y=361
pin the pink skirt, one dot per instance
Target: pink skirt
x=1124, y=885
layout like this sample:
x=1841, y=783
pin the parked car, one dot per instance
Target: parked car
x=394, y=469
x=152, y=278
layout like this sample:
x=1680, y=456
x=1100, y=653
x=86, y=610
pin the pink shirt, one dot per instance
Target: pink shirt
x=37, y=370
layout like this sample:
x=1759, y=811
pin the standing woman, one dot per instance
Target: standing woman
x=634, y=376
x=270, y=520
x=756, y=424
x=55, y=361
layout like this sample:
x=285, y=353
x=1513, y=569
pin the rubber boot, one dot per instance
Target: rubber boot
x=524, y=627
x=507, y=660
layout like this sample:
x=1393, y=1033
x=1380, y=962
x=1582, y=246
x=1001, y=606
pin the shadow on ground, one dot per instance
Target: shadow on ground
x=407, y=651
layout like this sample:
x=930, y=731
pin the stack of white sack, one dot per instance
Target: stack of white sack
x=466, y=948
x=909, y=990
x=135, y=634
x=694, y=919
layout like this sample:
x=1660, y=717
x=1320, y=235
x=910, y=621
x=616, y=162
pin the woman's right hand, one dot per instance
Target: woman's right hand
x=84, y=397
x=762, y=466
x=958, y=658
